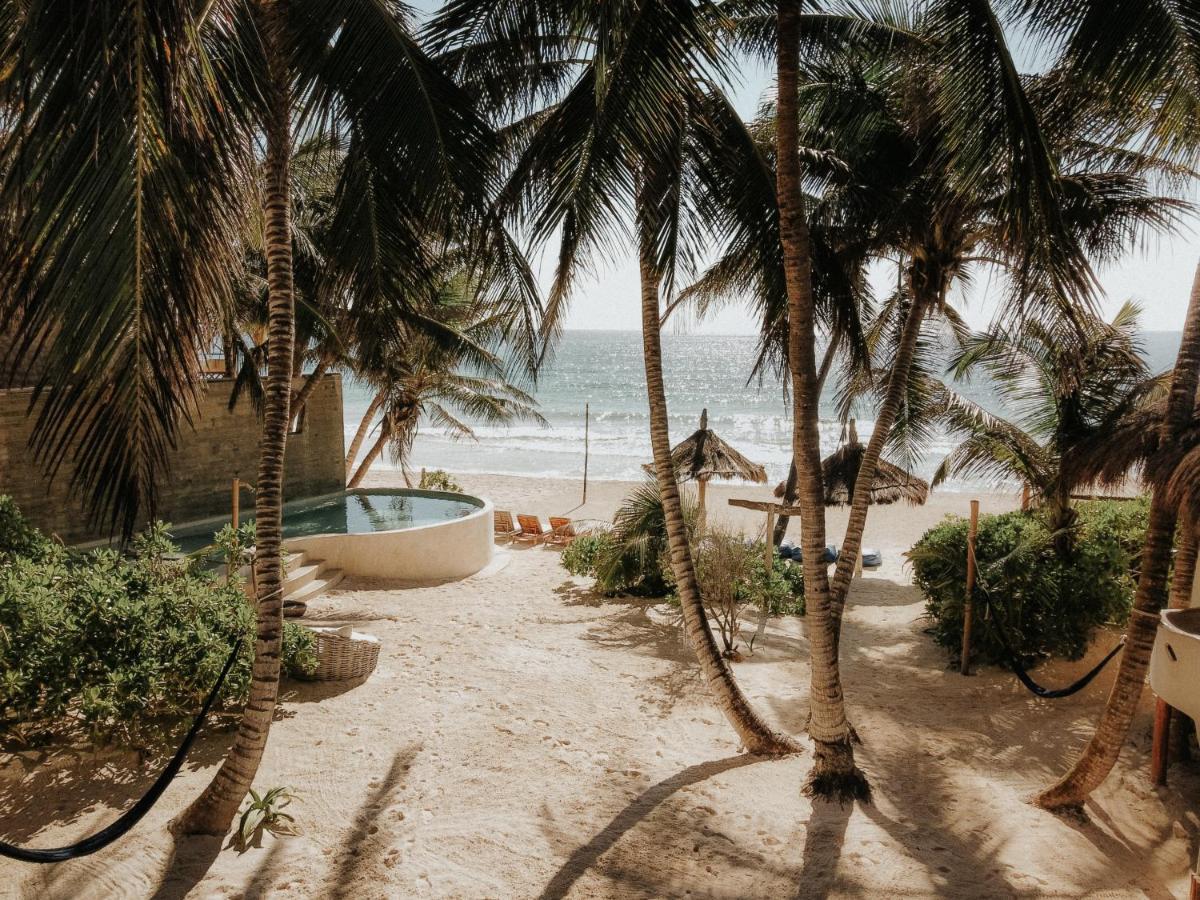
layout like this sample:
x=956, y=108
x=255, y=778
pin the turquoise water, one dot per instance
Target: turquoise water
x=604, y=369
x=350, y=513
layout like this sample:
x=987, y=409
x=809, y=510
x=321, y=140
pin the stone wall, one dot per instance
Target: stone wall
x=221, y=446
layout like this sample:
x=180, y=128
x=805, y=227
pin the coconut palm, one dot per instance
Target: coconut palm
x=450, y=385
x=1143, y=57
x=1069, y=392
x=703, y=456
x=133, y=139
x=616, y=95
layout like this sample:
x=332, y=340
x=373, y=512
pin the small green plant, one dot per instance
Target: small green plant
x=438, y=480
x=17, y=536
x=583, y=554
x=266, y=813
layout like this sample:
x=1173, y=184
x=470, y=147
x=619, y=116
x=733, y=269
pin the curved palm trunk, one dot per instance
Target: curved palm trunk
x=364, y=427
x=1182, y=581
x=755, y=734
x=213, y=812
x=884, y=419
x=1102, y=751
x=834, y=773
x=373, y=454
x=306, y=390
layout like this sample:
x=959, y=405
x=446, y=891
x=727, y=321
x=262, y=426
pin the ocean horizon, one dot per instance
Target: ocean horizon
x=594, y=387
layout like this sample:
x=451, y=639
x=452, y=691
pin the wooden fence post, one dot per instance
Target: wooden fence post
x=237, y=493
x=587, y=421
x=968, y=606
x=1160, y=746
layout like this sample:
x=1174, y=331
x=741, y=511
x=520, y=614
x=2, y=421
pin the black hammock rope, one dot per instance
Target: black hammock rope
x=133, y=815
x=1014, y=662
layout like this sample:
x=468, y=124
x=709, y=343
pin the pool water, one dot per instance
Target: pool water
x=354, y=512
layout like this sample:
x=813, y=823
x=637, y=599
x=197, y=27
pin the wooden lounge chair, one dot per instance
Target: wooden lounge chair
x=562, y=532
x=503, y=526
x=531, y=530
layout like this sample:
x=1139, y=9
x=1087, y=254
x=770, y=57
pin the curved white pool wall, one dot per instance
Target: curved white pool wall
x=441, y=551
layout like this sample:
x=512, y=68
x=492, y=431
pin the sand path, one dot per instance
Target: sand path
x=525, y=738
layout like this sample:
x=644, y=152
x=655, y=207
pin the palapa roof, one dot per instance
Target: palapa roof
x=705, y=455
x=840, y=471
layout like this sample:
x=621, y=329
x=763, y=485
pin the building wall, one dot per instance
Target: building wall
x=222, y=445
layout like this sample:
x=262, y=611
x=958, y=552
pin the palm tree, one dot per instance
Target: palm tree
x=449, y=385
x=1070, y=393
x=1146, y=62
x=125, y=168
x=615, y=94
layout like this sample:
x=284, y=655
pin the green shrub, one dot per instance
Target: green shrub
x=17, y=536
x=583, y=554
x=438, y=480
x=1049, y=606
x=116, y=648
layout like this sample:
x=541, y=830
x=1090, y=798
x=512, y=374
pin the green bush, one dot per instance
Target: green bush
x=1049, y=606
x=582, y=555
x=17, y=536
x=117, y=648
x=438, y=480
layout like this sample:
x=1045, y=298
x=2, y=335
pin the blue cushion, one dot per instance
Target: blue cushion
x=872, y=559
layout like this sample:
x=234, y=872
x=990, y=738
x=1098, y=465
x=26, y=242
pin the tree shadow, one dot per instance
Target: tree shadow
x=823, y=840
x=586, y=856
x=190, y=858
x=361, y=840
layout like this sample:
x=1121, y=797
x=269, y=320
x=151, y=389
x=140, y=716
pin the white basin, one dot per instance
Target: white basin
x=1175, y=663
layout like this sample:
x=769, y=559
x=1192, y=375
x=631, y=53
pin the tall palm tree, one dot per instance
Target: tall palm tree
x=1068, y=392
x=613, y=95
x=133, y=135
x=1144, y=56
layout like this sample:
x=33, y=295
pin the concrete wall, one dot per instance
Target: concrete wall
x=222, y=445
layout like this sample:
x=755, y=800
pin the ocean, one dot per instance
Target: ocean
x=602, y=371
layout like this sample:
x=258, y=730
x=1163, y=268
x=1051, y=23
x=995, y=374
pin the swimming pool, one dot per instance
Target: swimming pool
x=381, y=532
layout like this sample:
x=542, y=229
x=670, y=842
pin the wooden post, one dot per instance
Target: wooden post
x=770, y=551
x=1025, y=497
x=968, y=606
x=237, y=494
x=1160, y=746
x=587, y=418
x=702, y=510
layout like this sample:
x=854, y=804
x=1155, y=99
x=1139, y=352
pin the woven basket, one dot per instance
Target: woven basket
x=344, y=654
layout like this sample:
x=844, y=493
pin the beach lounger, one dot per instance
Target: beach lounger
x=789, y=550
x=562, y=532
x=503, y=528
x=531, y=530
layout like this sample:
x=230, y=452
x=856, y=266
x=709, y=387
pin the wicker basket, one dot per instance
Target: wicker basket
x=344, y=654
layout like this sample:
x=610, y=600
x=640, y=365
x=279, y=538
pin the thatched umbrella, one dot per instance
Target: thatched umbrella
x=705, y=456
x=840, y=470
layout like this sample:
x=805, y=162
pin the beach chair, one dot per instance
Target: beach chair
x=531, y=530
x=503, y=526
x=562, y=532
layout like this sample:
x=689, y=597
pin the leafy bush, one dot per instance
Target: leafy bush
x=582, y=555
x=17, y=536
x=438, y=480
x=118, y=647
x=1048, y=606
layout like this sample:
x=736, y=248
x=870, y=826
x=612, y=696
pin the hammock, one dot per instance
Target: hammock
x=134, y=814
x=1023, y=676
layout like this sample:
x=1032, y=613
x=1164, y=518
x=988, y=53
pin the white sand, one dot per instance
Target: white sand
x=523, y=738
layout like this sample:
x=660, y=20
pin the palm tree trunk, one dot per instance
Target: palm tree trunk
x=1102, y=751
x=372, y=455
x=834, y=773
x=789, y=489
x=897, y=387
x=364, y=427
x=756, y=735
x=306, y=389
x=1182, y=580
x=213, y=812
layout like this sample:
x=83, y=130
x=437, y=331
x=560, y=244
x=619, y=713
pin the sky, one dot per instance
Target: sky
x=1157, y=274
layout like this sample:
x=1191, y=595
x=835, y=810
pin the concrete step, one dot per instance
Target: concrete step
x=298, y=576
x=316, y=587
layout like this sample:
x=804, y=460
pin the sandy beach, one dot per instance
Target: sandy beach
x=524, y=737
